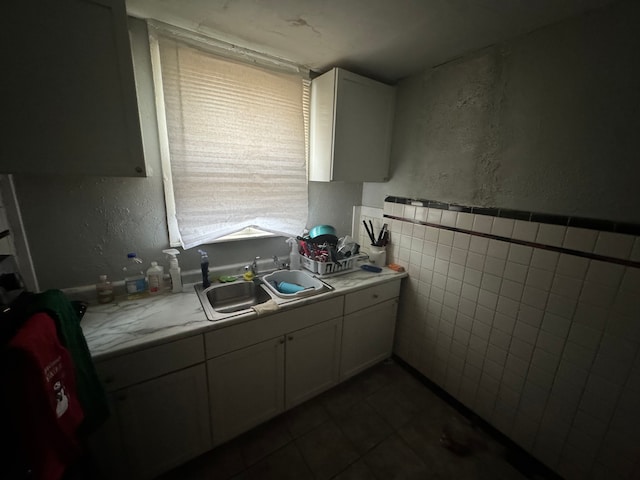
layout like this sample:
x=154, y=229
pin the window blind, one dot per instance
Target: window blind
x=236, y=142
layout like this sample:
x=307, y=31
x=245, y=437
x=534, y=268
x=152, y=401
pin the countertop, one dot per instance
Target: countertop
x=128, y=325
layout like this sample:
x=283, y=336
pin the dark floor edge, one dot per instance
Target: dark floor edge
x=581, y=222
x=518, y=457
x=568, y=251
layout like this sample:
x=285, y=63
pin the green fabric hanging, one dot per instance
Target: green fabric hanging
x=90, y=391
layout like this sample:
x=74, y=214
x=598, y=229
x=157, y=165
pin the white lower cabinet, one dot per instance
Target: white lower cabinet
x=164, y=422
x=367, y=337
x=368, y=327
x=106, y=447
x=257, y=382
x=246, y=387
x=159, y=410
x=174, y=401
x=312, y=361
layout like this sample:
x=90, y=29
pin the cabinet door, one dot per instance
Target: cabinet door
x=367, y=337
x=350, y=128
x=246, y=387
x=363, y=126
x=313, y=359
x=70, y=101
x=106, y=446
x=165, y=421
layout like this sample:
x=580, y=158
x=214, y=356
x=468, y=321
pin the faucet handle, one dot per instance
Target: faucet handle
x=280, y=265
x=254, y=265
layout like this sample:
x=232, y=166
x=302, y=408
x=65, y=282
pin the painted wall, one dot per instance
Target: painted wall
x=547, y=123
x=81, y=227
x=543, y=345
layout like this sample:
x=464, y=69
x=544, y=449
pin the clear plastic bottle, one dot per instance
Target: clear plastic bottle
x=174, y=270
x=155, y=278
x=104, y=290
x=294, y=256
x=134, y=279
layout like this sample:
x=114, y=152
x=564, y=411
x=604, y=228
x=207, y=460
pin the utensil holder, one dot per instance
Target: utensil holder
x=377, y=256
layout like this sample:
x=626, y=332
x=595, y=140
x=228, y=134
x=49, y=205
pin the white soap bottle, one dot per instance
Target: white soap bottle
x=155, y=278
x=174, y=270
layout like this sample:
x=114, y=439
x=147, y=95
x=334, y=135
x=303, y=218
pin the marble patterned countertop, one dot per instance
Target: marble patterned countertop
x=128, y=325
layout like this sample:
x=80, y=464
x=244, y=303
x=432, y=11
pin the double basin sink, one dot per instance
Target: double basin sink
x=223, y=300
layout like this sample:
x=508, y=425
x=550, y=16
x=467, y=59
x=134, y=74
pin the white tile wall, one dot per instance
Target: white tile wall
x=543, y=345
x=614, y=244
x=580, y=239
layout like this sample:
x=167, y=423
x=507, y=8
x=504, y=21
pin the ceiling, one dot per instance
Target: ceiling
x=383, y=39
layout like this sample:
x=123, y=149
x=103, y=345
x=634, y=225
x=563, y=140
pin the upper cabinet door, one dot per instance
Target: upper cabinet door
x=69, y=98
x=350, y=128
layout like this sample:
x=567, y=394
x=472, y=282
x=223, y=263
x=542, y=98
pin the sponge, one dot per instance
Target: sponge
x=396, y=267
x=286, y=287
x=248, y=276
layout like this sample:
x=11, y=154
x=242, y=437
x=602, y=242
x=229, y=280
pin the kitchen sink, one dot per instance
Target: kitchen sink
x=227, y=298
x=304, y=284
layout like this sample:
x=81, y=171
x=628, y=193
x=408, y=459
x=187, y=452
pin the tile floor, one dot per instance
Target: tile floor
x=382, y=424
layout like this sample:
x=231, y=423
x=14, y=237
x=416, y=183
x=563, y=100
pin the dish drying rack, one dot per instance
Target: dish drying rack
x=328, y=268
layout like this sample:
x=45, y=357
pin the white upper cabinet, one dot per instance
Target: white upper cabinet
x=69, y=100
x=350, y=128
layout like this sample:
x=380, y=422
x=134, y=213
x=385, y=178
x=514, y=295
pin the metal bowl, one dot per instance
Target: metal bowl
x=323, y=233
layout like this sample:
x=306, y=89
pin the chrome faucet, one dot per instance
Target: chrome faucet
x=254, y=266
x=279, y=265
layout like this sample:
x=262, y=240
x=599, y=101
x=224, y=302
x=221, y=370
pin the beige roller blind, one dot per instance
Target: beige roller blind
x=236, y=137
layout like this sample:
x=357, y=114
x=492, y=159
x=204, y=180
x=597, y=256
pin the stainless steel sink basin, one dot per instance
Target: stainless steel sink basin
x=226, y=298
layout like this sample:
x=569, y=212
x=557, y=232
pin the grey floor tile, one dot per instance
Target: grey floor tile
x=326, y=450
x=342, y=397
x=363, y=426
x=393, y=405
x=400, y=374
x=221, y=463
x=381, y=424
x=394, y=459
x=263, y=440
x=378, y=376
x=306, y=417
x=419, y=396
x=356, y=471
x=500, y=468
x=423, y=436
x=286, y=463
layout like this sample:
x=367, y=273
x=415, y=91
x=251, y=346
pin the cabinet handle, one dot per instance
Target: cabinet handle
x=290, y=337
x=375, y=295
x=281, y=341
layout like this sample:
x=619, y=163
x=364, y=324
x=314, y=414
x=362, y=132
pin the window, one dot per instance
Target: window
x=233, y=141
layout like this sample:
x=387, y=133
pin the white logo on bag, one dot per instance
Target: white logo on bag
x=62, y=401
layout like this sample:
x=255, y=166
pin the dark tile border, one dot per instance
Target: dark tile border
x=581, y=222
x=578, y=253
